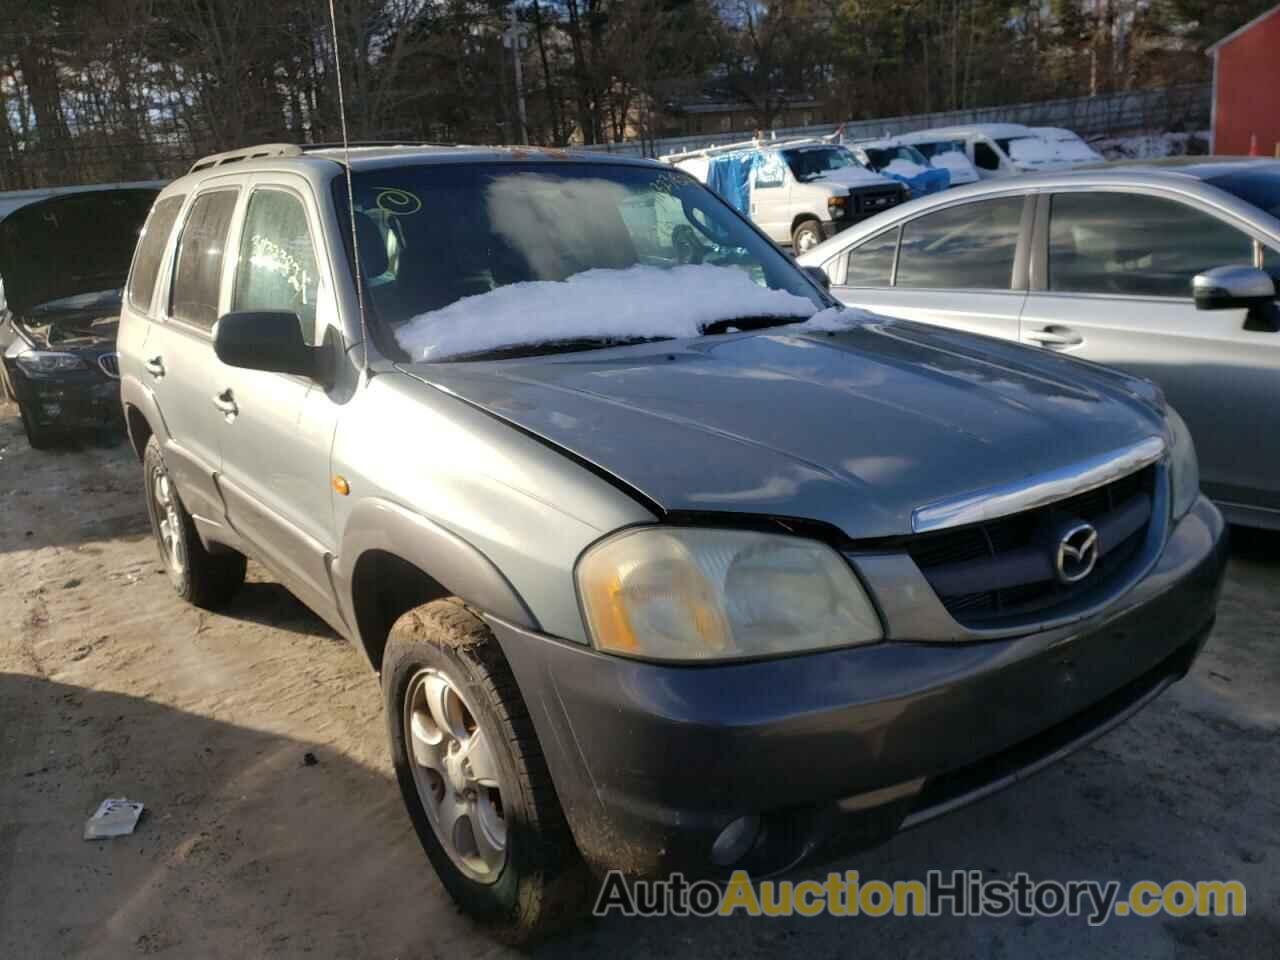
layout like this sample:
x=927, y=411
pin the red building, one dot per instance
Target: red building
x=1246, y=88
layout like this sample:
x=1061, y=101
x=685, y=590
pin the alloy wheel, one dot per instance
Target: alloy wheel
x=456, y=773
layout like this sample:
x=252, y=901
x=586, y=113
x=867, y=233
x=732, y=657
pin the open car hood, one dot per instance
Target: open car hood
x=58, y=245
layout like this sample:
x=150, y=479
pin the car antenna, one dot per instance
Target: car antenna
x=351, y=196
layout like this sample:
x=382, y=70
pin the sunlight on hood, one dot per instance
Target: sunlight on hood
x=640, y=301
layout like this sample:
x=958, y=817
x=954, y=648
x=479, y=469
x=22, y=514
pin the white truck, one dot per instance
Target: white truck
x=799, y=192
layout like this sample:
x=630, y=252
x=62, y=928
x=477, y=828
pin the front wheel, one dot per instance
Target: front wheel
x=806, y=236
x=473, y=776
x=200, y=577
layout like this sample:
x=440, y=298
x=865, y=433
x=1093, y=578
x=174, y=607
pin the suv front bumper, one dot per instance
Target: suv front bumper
x=840, y=749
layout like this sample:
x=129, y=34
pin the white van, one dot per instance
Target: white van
x=799, y=192
x=997, y=149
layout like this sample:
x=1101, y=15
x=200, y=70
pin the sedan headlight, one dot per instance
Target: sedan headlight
x=42, y=361
x=674, y=593
x=1184, y=468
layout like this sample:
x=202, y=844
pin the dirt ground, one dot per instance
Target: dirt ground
x=110, y=686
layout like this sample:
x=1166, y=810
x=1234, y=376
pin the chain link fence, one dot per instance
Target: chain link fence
x=1180, y=108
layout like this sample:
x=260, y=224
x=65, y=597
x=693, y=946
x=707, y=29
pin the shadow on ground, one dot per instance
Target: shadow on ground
x=246, y=849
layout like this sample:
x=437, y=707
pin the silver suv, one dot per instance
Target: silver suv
x=666, y=561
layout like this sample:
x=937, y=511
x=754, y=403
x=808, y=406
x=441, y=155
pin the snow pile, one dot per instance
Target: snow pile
x=853, y=177
x=641, y=301
x=1153, y=146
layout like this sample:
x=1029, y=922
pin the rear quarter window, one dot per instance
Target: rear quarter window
x=151, y=245
x=197, y=274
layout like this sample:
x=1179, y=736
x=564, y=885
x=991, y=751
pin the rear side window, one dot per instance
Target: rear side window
x=971, y=246
x=277, y=266
x=871, y=263
x=1136, y=245
x=198, y=271
x=146, y=262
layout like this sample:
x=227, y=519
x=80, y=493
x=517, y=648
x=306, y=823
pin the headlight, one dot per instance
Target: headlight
x=837, y=207
x=671, y=593
x=40, y=361
x=1184, y=468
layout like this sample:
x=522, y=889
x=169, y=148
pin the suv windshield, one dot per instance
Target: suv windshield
x=932, y=150
x=809, y=163
x=469, y=261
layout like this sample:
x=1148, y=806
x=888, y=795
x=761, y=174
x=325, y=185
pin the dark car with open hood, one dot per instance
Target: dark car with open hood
x=64, y=254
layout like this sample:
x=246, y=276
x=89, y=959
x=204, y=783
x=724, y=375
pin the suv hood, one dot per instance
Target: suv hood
x=68, y=245
x=855, y=429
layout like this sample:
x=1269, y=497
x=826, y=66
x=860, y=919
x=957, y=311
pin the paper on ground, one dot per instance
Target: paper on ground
x=115, y=817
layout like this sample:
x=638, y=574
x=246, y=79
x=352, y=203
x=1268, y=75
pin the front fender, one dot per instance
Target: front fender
x=458, y=566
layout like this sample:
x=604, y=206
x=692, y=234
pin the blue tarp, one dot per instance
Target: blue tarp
x=729, y=174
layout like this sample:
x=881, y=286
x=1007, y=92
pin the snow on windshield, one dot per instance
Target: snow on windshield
x=640, y=301
x=903, y=168
x=852, y=176
x=1029, y=149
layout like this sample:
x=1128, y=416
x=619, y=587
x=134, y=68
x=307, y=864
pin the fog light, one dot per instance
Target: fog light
x=735, y=840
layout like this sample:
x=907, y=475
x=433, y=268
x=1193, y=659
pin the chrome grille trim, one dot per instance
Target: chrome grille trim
x=1038, y=491
x=109, y=363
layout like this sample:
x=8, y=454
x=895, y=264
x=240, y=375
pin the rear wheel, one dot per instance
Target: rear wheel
x=201, y=578
x=473, y=776
x=806, y=236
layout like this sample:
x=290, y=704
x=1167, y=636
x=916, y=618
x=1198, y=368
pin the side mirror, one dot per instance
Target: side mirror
x=818, y=276
x=269, y=340
x=1239, y=287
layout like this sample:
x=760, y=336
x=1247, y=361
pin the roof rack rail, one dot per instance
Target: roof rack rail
x=753, y=144
x=247, y=153
x=264, y=150
x=306, y=147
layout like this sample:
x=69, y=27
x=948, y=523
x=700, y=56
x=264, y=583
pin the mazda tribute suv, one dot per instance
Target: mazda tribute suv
x=665, y=560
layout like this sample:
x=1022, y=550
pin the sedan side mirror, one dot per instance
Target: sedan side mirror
x=1237, y=287
x=818, y=276
x=270, y=340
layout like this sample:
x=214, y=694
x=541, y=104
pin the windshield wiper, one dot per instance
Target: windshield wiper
x=748, y=323
x=543, y=347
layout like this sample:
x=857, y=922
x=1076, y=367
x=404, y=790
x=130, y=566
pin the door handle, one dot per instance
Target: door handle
x=1055, y=337
x=226, y=403
x=155, y=367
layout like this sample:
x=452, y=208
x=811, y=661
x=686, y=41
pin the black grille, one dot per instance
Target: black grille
x=873, y=201
x=109, y=363
x=988, y=574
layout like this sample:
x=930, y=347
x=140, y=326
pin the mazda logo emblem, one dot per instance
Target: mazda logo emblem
x=1077, y=553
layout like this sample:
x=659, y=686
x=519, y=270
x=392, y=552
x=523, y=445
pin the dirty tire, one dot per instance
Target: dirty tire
x=38, y=437
x=543, y=885
x=806, y=236
x=207, y=580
